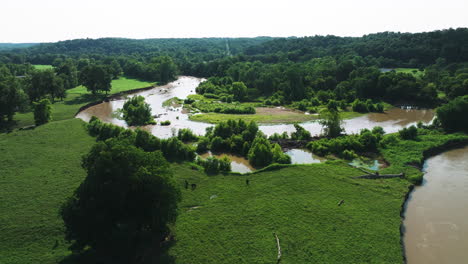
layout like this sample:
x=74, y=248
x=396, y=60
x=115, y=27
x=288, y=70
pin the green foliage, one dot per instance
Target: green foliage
x=300, y=133
x=165, y=123
x=263, y=153
x=42, y=112
x=214, y=165
x=136, y=112
x=186, y=135
x=203, y=145
x=408, y=133
x=239, y=90
x=45, y=83
x=133, y=198
x=331, y=122
x=96, y=78
x=452, y=116
x=366, y=141
x=173, y=149
x=403, y=155
x=12, y=96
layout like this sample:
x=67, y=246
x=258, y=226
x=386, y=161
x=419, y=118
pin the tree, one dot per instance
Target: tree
x=46, y=83
x=42, y=112
x=136, y=112
x=125, y=203
x=11, y=95
x=239, y=90
x=331, y=122
x=452, y=116
x=96, y=78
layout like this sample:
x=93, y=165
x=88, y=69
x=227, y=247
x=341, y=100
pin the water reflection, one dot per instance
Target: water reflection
x=238, y=163
x=303, y=156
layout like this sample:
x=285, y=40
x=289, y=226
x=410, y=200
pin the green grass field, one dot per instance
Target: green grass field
x=78, y=97
x=38, y=169
x=415, y=71
x=222, y=220
x=43, y=67
x=291, y=117
x=225, y=221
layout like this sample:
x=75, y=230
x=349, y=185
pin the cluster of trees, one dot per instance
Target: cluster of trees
x=136, y=112
x=347, y=146
x=244, y=139
x=172, y=148
x=451, y=116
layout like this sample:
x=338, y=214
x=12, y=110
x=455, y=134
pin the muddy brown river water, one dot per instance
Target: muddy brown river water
x=436, y=215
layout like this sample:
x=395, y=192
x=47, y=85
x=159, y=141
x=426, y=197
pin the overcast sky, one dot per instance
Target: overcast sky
x=54, y=20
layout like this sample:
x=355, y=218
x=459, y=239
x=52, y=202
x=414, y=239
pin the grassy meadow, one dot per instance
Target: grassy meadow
x=76, y=98
x=39, y=168
x=42, y=67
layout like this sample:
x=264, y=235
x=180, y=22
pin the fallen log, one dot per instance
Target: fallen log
x=279, y=248
x=380, y=176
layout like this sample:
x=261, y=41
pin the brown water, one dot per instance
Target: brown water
x=238, y=163
x=303, y=156
x=392, y=120
x=180, y=88
x=436, y=215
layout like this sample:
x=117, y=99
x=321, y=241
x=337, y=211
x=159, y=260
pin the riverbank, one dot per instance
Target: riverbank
x=78, y=98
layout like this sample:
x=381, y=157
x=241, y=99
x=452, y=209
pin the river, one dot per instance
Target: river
x=392, y=120
x=436, y=213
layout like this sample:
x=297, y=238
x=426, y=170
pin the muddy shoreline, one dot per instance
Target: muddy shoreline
x=113, y=96
x=449, y=145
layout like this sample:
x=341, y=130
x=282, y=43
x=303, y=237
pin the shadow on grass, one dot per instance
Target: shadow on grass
x=85, y=98
x=150, y=256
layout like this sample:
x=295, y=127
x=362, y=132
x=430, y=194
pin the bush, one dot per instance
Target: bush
x=136, y=112
x=203, y=145
x=348, y=154
x=42, y=112
x=165, y=123
x=260, y=152
x=175, y=150
x=359, y=106
x=186, y=135
x=300, y=133
x=409, y=133
x=213, y=165
x=452, y=116
x=146, y=141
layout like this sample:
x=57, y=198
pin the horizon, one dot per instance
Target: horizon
x=231, y=37
x=51, y=21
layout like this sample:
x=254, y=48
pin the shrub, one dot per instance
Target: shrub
x=260, y=152
x=165, y=123
x=409, y=133
x=146, y=141
x=452, y=115
x=348, y=154
x=174, y=150
x=42, y=112
x=186, y=135
x=300, y=133
x=203, y=145
x=359, y=106
x=213, y=165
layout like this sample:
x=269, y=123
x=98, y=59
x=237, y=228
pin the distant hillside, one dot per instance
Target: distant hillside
x=10, y=46
x=202, y=48
x=393, y=48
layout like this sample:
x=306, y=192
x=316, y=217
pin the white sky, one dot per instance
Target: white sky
x=54, y=20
